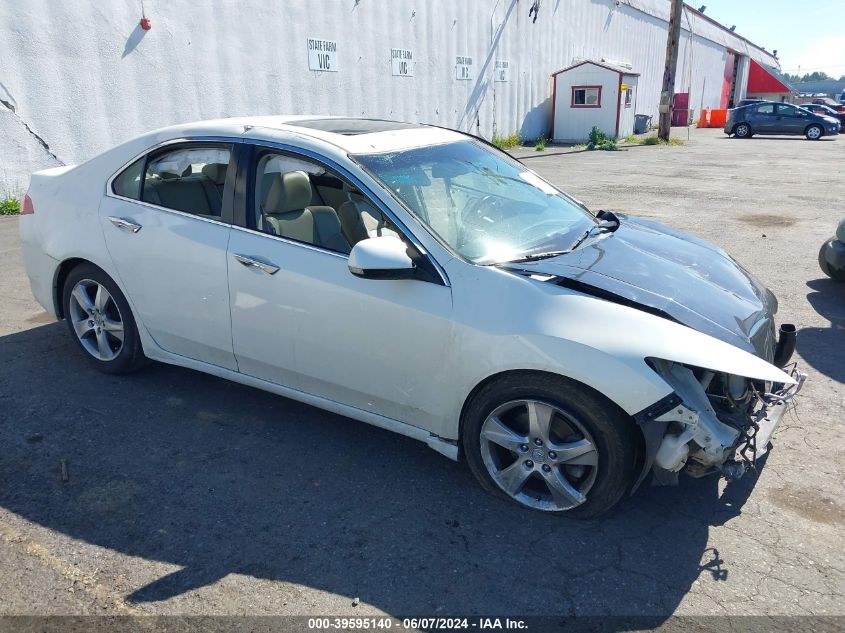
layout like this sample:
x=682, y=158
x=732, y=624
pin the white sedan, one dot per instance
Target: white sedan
x=420, y=280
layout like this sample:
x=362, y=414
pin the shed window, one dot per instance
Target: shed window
x=586, y=96
x=629, y=95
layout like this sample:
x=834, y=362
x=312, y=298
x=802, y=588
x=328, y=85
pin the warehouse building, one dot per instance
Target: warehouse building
x=78, y=77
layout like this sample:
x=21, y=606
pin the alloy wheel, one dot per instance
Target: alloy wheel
x=539, y=454
x=813, y=133
x=96, y=319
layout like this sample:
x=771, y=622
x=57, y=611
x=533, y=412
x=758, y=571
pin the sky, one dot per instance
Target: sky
x=806, y=34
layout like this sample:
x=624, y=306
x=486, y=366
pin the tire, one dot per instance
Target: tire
x=742, y=130
x=827, y=269
x=100, y=321
x=814, y=132
x=580, y=417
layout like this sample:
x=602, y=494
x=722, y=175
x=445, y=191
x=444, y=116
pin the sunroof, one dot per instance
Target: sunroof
x=353, y=127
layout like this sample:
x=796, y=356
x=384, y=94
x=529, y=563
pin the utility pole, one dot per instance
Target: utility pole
x=672, y=46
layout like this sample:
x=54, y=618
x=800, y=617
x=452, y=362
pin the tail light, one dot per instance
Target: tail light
x=27, y=206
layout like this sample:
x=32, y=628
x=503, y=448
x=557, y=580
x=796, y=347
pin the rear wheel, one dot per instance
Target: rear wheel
x=549, y=444
x=100, y=321
x=742, y=130
x=814, y=132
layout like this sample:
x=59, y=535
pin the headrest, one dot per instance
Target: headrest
x=178, y=163
x=170, y=169
x=215, y=172
x=289, y=192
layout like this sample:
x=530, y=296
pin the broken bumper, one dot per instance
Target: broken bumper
x=693, y=437
x=768, y=420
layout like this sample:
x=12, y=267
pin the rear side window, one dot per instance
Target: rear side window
x=190, y=180
x=766, y=108
x=128, y=182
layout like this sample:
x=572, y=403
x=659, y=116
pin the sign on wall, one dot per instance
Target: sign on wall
x=501, y=71
x=402, y=62
x=322, y=55
x=463, y=67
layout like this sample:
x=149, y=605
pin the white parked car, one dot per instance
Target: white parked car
x=420, y=280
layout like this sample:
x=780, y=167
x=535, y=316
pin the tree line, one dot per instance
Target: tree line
x=814, y=76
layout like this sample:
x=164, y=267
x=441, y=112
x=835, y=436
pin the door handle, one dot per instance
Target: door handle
x=251, y=262
x=124, y=224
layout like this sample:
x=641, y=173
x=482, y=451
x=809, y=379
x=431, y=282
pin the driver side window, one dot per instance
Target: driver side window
x=304, y=201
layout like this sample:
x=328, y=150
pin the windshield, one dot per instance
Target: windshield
x=483, y=204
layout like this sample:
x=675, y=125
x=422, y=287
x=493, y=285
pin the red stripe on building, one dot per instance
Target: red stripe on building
x=761, y=80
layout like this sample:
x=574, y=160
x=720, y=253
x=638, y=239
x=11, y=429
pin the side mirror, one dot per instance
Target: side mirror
x=381, y=258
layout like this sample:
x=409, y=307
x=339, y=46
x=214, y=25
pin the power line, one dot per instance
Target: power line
x=813, y=68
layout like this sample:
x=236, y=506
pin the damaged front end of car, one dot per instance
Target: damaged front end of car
x=713, y=421
x=728, y=369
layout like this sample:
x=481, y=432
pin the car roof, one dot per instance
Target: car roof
x=765, y=101
x=353, y=135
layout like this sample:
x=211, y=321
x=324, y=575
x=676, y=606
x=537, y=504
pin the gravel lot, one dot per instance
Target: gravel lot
x=190, y=495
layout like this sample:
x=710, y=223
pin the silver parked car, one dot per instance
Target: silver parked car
x=832, y=254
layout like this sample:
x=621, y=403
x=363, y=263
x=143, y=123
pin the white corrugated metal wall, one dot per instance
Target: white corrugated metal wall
x=83, y=76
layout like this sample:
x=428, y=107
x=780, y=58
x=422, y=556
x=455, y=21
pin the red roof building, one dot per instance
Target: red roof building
x=765, y=82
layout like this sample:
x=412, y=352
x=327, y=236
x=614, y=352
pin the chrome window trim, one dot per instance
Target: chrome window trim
x=343, y=171
x=173, y=211
x=285, y=240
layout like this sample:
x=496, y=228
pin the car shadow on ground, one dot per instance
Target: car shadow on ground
x=177, y=466
x=827, y=298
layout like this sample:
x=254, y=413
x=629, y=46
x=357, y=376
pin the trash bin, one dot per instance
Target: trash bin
x=641, y=123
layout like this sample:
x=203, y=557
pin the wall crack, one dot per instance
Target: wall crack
x=11, y=108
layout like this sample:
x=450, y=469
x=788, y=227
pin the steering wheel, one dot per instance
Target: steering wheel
x=488, y=206
x=479, y=212
x=530, y=229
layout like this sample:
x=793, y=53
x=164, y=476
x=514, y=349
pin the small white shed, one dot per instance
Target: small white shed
x=592, y=93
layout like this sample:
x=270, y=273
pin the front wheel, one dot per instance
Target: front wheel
x=837, y=274
x=548, y=443
x=100, y=321
x=814, y=132
x=743, y=130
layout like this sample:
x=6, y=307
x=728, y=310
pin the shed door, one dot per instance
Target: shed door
x=627, y=105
